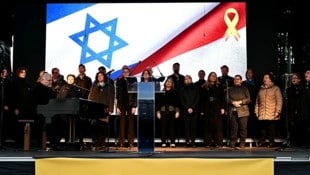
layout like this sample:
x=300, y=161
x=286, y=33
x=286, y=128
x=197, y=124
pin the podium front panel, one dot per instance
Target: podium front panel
x=146, y=120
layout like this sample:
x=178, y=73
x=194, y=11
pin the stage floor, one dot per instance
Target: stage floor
x=287, y=161
x=280, y=154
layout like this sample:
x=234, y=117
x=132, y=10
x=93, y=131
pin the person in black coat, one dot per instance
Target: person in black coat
x=168, y=111
x=41, y=94
x=304, y=121
x=189, y=99
x=101, y=92
x=226, y=82
x=42, y=91
x=82, y=80
x=178, y=81
x=25, y=98
x=212, y=111
x=126, y=106
x=253, y=86
x=200, y=85
x=293, y=109
x=22, y=103
x=7, y=118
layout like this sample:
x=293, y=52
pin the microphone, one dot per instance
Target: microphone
x=110, y=71
x=80, y=88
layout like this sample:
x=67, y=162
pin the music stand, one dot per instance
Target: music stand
x=81, y=91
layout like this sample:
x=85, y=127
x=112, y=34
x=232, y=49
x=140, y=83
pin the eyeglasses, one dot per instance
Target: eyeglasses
x=55, y=72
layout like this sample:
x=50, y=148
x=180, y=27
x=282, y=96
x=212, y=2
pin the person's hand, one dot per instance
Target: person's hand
x=118, y=111
x=237, y=103
x=190, y=110
x=222, y=111
x=277, y=115
x=234, y=103
x=104, y=119
x=16, y=112
x=158, y=115
x=177, y=114
x=6, y=107
x=133, y=110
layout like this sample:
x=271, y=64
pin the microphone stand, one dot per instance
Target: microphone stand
x=227, y=114
x=161, y=74
x=288, y=134
x=108, y=115
x=287, y=145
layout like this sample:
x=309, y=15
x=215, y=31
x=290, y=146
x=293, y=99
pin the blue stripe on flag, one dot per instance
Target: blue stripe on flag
x=56, y=11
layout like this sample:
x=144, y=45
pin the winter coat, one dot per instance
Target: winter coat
x=239, y=93
x=269, y=102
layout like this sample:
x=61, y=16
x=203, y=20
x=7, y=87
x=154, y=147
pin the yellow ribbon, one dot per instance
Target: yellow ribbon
x=231, y=24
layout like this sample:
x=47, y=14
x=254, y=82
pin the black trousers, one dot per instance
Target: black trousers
x=58, y=129
x=213, y=130
x=100, y=133
x=167, y=127
x=190, y=126
x=267, y=129
x=238, y=125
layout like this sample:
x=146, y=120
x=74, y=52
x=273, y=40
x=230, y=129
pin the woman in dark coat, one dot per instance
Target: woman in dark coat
x=168, y=112
x=212, y=110
x=102, y=92
x=189, y=98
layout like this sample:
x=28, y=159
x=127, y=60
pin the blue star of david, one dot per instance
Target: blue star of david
x=108, y=28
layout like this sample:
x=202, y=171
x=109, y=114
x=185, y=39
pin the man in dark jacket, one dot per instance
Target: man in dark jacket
x=126, y=106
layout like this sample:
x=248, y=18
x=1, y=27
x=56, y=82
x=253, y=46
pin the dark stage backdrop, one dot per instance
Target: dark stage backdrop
x=29, y=38
x=264, y=20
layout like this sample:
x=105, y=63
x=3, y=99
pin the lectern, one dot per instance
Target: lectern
x=146, y=117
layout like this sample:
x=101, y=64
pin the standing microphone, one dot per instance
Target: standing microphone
x=110, y=71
